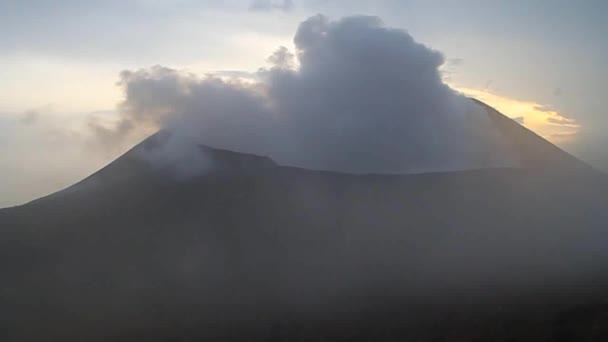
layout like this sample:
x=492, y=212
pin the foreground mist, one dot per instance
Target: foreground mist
x=255, y=251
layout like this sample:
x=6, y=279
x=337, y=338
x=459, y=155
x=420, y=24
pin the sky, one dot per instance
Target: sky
x=540, y=62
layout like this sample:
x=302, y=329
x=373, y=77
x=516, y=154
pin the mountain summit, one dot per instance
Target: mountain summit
x=508, y=145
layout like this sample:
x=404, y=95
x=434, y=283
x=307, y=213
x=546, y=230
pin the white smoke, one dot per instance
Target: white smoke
x=355, y=96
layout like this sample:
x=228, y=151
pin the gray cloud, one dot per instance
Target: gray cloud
x=107, y=138
x=33, y=116
x=29, y=117
x=282, y=59
x=43, y=151
x=363, y=98
x=269, y=5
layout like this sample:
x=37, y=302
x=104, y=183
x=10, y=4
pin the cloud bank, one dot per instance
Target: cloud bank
x=355, y=96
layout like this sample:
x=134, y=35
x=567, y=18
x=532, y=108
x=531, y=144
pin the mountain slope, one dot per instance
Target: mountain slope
x=253, y=251
x=533, y=150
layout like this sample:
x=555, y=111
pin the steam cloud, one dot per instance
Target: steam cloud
x=354, y=97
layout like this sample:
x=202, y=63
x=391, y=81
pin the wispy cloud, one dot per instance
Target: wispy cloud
x=546, y=122
x=561, y=121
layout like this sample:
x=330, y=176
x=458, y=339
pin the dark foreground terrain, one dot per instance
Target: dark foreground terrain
x=253, y=251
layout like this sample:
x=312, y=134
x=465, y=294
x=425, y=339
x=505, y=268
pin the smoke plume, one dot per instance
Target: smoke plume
x=355, y=96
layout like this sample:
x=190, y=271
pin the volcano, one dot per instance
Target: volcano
x=255, y=251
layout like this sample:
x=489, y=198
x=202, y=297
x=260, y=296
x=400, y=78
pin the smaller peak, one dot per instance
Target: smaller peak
x=188, y=158
x=227, y=159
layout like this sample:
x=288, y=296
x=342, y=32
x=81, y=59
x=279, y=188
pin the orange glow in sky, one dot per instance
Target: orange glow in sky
x=544, y=121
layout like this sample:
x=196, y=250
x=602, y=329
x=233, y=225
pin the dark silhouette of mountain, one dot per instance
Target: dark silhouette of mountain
x=532, y=150
x=254, y=251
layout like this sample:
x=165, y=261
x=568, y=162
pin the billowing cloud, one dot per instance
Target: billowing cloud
x=355, y=96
